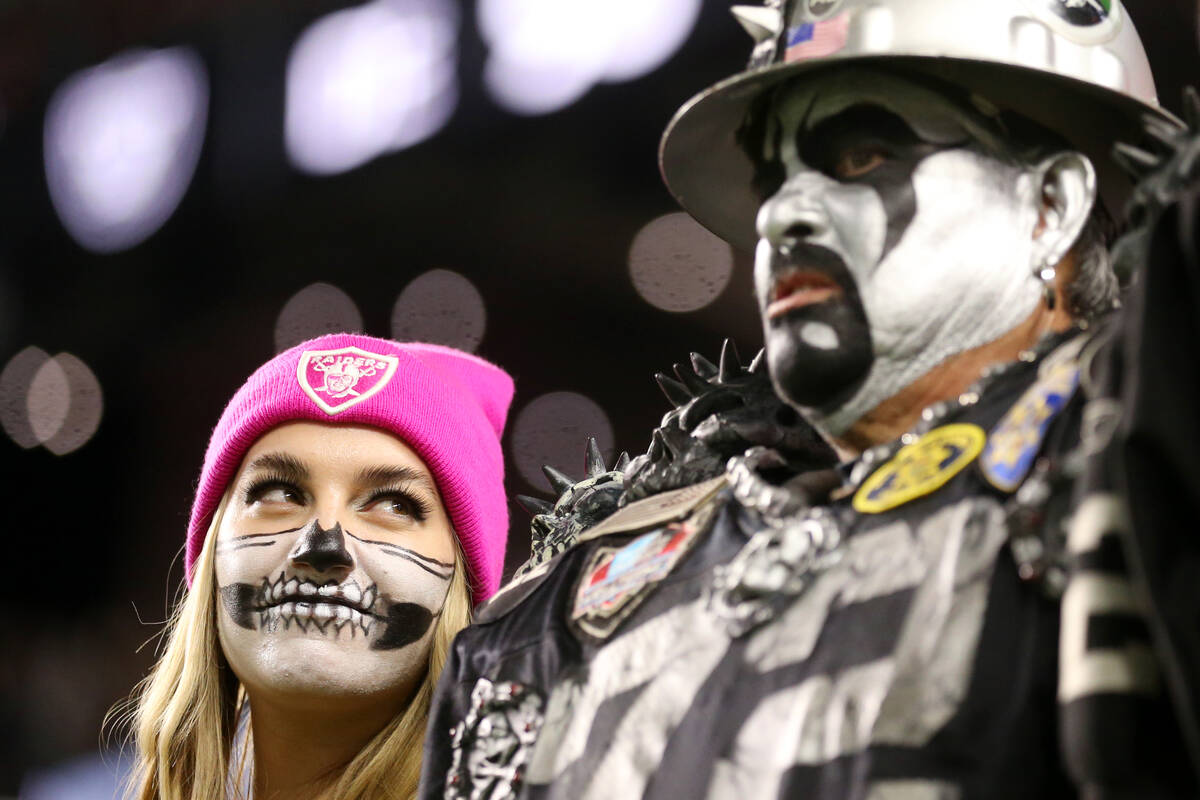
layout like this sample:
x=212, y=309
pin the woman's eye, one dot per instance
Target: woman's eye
x=274, y=494
x=280, y=495
x=397, y=507
x=394, y=504
x=859, y=161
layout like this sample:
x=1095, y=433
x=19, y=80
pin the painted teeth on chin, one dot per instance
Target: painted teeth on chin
x=322, y=614
x=368, y=598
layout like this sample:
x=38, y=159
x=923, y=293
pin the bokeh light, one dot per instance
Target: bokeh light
x=48, y=400
x=313, y=311
x=679, y=266
x=553, y=429
x=545, y=54
x=56, y=402
x=15, y=382
x=441, y=307
x=85, y=406
x=121, y=143
x=370, y=80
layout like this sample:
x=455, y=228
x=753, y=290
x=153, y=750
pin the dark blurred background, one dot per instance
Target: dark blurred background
x=188, y=187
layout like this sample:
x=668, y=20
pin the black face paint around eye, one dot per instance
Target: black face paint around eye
x=893, y=179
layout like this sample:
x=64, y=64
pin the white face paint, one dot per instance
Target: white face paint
x=333, y=560
x=936, y=239
x=819, y=335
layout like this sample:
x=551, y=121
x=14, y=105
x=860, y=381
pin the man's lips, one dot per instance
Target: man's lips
x=801, y=288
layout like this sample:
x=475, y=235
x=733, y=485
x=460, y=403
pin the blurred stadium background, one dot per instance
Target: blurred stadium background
x=188, y=187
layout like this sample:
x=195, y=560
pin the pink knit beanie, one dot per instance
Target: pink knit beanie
x=446, y=405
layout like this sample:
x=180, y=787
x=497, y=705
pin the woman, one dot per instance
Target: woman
x=349, y=510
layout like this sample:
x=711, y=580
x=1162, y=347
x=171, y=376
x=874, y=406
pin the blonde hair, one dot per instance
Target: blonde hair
x=188, y=706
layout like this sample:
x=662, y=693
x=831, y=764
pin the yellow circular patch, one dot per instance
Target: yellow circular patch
x=920, y=468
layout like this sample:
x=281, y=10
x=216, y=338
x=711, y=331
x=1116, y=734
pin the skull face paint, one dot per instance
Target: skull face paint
x=895, y=241
x=333, y=560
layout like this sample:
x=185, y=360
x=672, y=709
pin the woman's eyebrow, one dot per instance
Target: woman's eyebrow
x=385, y=474
x=286, y=466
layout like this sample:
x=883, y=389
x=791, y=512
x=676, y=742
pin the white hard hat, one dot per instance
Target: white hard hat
x=1076, y=67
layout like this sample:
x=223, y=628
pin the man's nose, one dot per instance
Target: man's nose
x=322, y=550
x=793, y=214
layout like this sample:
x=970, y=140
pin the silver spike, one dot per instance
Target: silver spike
x=694, y=383
x=534, y=505
x=559, y=482
x=703, y=367
x=731, y=365
x=760, y=361
x=761, y=23
x=622, y=462
x=594, y=459
x=675, y=391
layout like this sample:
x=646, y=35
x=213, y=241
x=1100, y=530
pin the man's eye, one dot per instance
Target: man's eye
x=859, y=161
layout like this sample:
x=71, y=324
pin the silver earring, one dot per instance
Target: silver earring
x=1046, y=275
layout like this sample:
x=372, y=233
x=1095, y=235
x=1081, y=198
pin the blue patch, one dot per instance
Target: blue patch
x=801, y=33
x=1014, y=443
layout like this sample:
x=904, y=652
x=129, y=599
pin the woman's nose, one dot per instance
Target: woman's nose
x=322, y=550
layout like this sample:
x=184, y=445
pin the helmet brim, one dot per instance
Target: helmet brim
x=712, y=177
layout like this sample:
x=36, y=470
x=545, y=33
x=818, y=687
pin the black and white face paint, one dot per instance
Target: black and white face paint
x=347, y=605
x=894, y=242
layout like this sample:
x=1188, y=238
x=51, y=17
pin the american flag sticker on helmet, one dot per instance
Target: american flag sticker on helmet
x=816, y=39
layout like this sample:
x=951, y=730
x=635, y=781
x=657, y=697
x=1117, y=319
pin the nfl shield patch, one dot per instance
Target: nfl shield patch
x=339, y=379
x=617, y=578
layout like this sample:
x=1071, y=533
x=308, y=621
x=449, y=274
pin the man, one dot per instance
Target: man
x=968, y=605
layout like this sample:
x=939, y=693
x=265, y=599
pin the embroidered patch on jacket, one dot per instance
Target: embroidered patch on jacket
x=920, y=468
x=1014, y=443
x=616, y=579
x=339, y=379
x=492, y=745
